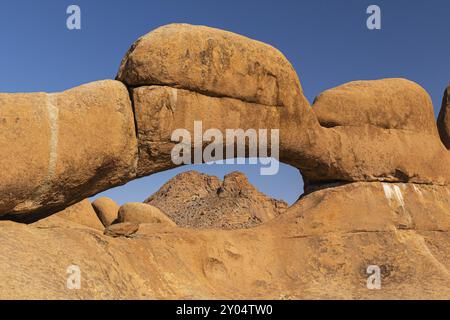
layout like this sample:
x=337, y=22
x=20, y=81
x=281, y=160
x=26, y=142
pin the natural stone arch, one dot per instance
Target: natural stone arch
x=61, y=148
x=217, y=74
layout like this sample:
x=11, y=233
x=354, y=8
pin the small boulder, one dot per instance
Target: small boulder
x=82, y=213
x=197, y=200
x=137, y=212
x=106, y=209
x=126, y=229
x=392, y=103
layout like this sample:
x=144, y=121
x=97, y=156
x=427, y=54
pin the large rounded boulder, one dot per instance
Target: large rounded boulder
x=211, y=61
x=60, y=148
x=137, y=212
x=386, y=103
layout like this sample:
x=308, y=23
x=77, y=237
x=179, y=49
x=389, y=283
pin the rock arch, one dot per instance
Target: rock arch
x=60, y=148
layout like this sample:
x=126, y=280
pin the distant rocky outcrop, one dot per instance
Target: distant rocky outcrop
x=197, y=200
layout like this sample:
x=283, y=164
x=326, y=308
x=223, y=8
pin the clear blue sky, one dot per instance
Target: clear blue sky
x=326, y=41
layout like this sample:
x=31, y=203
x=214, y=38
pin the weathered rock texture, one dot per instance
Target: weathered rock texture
x=197, y=200
x=211, y=61
x=60, y=148
x=122, y=229
x=142, y=213
x=383, y=130
x=160, y=110
x=444, y=119
x=320, y=248
x=82, y=213
x=387, y=103
x=391, y=119
x=107, y=210
x=80, y=142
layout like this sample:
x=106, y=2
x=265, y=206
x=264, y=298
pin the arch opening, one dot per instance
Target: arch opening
x=214, y=195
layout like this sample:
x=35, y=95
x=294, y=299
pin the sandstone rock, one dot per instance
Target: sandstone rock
x=136, y=212
x=385, y=103
x=380, y=130
x=56, y=149
x=191, y=87
x=369, y=153
x=82, y=213
x=214, y=62
x=444, y=119
x=368, y=207
x=318, y=152
x=161, y=110
x=203, y=73
x=124, y=229
x=73, y=155
x=345, y=153
x=197, y=200
x=107, y=210
x=327, y=240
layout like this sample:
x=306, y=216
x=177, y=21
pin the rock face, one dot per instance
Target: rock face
x=377, y=179
x=107, y=210
x=378, y=146
x=81, y=213
x=123, y=229
x=444, y=119
x=319, y=248
x=377, y=128
x=136, y=212
x=56, y=149
x=196, y=200
x=386, y=103
x=373, y=130
x=211, y=61
x=160, y=110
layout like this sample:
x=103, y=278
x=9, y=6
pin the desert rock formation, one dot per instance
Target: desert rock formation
x=136, y=212
x=376, y=173
x=122, y=229
x=81, y=213
x=197, y=200
x=172, y=86
x=107, y=210
x=57, y=149
x=388, y=103
x=444, y=119
x=319, y=248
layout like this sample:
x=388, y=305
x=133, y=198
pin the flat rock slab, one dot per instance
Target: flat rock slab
x=124, y=229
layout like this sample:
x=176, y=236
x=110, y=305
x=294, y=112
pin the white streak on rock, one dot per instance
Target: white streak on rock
x=52, y=110
x=393, y=193
x=173, y=98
